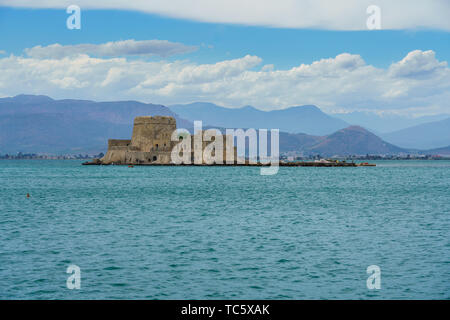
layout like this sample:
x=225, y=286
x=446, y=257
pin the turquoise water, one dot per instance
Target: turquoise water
x=224, y=233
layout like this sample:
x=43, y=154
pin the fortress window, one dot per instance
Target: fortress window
x=156, y=146
x=154, y=158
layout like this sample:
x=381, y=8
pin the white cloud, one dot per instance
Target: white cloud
x=321, y=14
x=162, y=48
x=417, y=64
x=419, y=83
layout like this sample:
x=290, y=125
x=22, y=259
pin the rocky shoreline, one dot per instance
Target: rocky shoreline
x=281, y=164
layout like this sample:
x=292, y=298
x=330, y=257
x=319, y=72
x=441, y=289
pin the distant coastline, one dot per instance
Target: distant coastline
x=36, y=156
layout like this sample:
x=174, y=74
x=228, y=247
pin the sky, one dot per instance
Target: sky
x=271, y=54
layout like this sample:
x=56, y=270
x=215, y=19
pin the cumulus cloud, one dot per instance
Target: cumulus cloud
x=417, y=64
x=342, y=83
x=321, y=14
x=162, y=48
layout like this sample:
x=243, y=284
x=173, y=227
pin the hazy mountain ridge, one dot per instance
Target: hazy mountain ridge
x=31, y=123
x=56, y=133
x=354, y=140
x=423, y=136
x=39, y=124
x=425, y=132
x=121, y=112
x=444, y=151
x=384, y=124
x=301, y=119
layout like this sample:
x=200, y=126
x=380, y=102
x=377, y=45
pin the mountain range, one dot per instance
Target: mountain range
x=301, y=119
x=39, y=124
x=36, y=124
x=354, y=140
x=409, y=133
x=427, y=135
x=444, y=151
x=386, y=123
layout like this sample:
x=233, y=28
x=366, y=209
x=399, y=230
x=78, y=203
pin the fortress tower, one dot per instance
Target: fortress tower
x=153, y=133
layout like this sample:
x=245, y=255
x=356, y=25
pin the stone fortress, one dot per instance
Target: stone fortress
x=151, y=144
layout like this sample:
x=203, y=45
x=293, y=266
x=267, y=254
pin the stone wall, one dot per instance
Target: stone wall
x=118, y=143
x=153, y=133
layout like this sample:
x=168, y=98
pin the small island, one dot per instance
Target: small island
x=151, y=144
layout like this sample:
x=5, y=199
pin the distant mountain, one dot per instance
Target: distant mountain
x=31, y=123
x=445, y=151
x=297, y=142
x=353, y=140
x=57, y=133
x=385, y=123
x=39, y=124
x=120, y=112
x=304, y=119
x=424, y=136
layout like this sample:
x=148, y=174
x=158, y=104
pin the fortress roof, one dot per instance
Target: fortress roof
x=154, y=119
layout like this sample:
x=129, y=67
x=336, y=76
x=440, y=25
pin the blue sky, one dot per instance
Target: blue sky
x=282, y=47
x=270, y=55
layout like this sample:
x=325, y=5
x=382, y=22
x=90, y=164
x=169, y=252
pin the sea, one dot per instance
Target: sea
x=224, y=232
